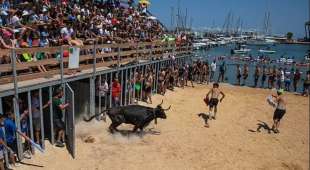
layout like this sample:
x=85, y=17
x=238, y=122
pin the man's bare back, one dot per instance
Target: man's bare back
x=215, y=93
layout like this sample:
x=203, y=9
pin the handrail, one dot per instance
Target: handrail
x=129, y=51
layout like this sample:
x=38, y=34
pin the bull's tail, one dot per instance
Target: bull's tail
x=96, y=115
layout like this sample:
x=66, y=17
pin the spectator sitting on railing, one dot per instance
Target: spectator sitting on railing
x=6, y=37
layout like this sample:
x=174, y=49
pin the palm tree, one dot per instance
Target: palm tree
x=289, y=36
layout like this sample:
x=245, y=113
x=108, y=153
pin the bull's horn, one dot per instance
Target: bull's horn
x=168, y=108
x=162, y=101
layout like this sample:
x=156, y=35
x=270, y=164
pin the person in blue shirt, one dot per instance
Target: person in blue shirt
x=1, y=144
x=10, y=135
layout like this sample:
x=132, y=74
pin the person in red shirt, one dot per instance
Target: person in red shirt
x=116, y=91
x=114, y=21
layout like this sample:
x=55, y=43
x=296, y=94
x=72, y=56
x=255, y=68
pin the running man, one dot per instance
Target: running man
x=280, y=110
x=215, y=92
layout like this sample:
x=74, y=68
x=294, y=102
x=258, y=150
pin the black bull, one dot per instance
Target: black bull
x=137, y=115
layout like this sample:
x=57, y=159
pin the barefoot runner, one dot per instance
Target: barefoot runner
x=215, y=92
x=280, y=110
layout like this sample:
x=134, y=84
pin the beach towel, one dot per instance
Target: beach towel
x=40, y=55
x=27, y=57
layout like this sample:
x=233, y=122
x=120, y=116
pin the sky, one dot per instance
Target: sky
x=286, y=15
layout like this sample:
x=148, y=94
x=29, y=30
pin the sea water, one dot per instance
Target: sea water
x=297, y=52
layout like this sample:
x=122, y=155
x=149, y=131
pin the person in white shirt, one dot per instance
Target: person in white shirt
x=102, y=88
x=213, y=69
x=282, y=77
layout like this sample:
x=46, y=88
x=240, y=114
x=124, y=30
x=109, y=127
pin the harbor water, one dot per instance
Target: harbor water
x=296, y=52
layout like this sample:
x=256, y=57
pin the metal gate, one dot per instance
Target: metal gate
x=69, y=120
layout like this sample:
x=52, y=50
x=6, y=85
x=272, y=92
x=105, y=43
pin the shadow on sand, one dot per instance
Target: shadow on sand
x=130, y=133
x=204, y=116
x=34, y=165
x=261, y=125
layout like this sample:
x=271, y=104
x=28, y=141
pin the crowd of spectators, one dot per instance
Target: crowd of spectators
x=50, y=23
x=46, y=23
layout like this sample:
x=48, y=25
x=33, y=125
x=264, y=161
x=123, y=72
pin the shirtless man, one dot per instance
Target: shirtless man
x=215, y=92
x=204, y=73
x=161, y=82
x=245, y=73
x=280, y=110
x=148, y=87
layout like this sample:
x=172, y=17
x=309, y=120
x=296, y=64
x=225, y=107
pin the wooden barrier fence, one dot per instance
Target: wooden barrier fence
x=91, y=56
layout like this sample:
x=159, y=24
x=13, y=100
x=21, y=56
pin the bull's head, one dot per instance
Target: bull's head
x=160, y=111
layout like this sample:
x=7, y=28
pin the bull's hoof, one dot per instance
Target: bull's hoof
x=111, y=130
x=89, y=139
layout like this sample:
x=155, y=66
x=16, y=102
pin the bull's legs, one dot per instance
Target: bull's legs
x=113, y=126
x=134, y=130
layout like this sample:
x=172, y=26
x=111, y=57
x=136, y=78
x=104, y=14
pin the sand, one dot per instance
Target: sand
x=181, y=142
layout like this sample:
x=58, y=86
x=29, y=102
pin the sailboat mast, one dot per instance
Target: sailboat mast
x=178, y=17
x=185, y=22
x=172, y=18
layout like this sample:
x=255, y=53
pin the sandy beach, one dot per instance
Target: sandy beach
x=181, y=142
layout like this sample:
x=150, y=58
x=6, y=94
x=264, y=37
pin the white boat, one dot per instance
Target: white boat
x=199, y=45
x=222, y=42
x=242, y=51
x=289, y=61
x=257, y=43
x=267, y=51
x=261, y=42
x=286, y=60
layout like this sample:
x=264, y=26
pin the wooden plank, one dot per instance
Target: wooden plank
x=5, y=52
x=53, y=61
x=51, y=50
x=66, y=47
x=6, y=80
